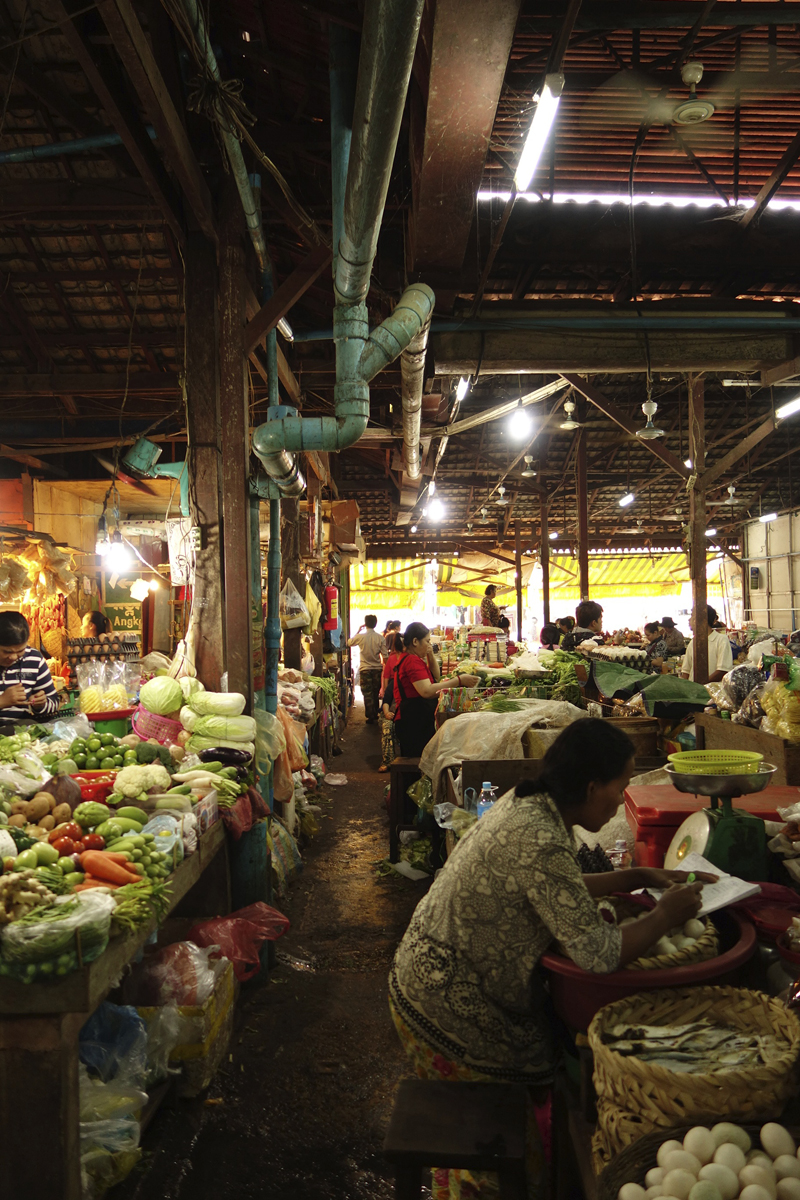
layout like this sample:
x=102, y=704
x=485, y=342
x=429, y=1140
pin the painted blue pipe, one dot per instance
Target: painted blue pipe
x=57, y=149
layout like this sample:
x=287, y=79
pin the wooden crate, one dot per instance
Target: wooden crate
x=715, y=734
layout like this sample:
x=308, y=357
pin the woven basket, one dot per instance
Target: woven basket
x=55, y=642
x=635, y=1097
x=704, y=948
x=633, y=1163
x=148, y=725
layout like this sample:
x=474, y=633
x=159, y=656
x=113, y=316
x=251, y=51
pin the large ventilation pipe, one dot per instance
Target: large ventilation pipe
x=388, y=42
x=412, y=372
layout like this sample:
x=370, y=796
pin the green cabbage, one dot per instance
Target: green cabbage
x=231, y=729
x=217, y=704
x=189, y=718
x=161, y=695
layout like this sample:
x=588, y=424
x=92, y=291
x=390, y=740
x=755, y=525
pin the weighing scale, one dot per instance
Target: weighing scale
x=732, y=840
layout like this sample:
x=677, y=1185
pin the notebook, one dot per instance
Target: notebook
x=728, y=890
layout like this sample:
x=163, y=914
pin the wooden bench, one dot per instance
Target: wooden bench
x=402, y=773
x=471, y=1126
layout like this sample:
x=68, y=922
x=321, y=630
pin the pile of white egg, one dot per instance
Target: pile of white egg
x=720, y=1164
x=677, y=939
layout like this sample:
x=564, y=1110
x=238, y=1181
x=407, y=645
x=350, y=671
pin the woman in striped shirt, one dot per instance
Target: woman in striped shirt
x=26, y=686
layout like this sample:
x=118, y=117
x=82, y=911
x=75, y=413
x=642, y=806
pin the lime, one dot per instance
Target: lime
x=94, y=744
x=49, y=759
x=92, y=762
x=107, y=764
x=107, y=739
x=80, y=761
x=78, y=746
x=119, y=760
x=129, y=758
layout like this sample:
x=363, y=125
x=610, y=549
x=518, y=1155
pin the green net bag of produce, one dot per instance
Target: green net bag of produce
x=57, y=939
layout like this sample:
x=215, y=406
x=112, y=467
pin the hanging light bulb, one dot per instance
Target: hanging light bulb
x=102, y=543
x=570, y=422
x=529, y=472
x=117, y=557
x=520, y=424
x=436, y=510
x=501, y=498
x=649, y=408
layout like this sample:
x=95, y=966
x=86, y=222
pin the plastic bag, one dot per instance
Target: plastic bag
x=167, y=832
x=270, y=740
x=180, y=974
x=164, y=1030
x=50, y=946
x=294, y=614
x=113, y=1044
x=102, y=686
x=782, y=708
x=752, y=711
x=241, y=935
x=738, y=683
x=295, y=736
x=108, y=1101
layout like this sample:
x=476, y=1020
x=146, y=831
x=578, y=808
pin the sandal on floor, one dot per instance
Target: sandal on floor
x=383, y=767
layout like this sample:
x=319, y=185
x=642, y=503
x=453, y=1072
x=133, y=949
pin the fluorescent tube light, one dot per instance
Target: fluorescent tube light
x=711, y=533
x=767, y=517
x=286, y=329
x=553, y=535
x=627, y=500
x=788, y=409
x=463, y=387
x=687, y=462
x=541, y=125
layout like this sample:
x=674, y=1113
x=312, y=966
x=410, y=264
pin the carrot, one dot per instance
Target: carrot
x=97, y=863
x=121, y=860
x=94, y=883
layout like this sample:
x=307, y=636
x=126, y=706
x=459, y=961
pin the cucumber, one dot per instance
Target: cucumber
x=130, y=813
x=183, y=789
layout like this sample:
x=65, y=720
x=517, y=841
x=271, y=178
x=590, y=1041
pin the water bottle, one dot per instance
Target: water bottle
x=619, y=855
x=487, y=798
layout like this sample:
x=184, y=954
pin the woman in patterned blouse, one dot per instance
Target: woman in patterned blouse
x=464, y=990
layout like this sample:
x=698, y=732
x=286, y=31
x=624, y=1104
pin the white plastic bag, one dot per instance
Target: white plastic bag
x=294, y=614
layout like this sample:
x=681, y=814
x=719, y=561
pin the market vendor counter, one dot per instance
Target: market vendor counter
x=39, y=1028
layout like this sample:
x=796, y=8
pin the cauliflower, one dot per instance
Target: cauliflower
x=135, y=779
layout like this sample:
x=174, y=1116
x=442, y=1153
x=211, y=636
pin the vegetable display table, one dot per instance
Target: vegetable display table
x=39, y=1028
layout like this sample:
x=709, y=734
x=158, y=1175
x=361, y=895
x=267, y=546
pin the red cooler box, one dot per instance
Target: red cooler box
x=655, y=812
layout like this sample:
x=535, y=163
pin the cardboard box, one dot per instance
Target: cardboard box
x=345, y=522
x=206, y=812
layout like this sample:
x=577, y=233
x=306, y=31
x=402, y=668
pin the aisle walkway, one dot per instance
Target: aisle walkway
x=299, y=1113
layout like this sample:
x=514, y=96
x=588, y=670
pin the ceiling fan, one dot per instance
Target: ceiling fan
x=632, y=97
x=570, y=422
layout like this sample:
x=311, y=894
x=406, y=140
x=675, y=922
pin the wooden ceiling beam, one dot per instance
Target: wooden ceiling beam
x=141, y=66
x=776, y=178
x=285, y=297
x=121, y=113
x=111, y=383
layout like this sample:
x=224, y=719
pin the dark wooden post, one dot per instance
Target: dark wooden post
x=235, y=447
x=290, y=559
x=544, y=555
x=697, y=529
x=583, y=518
x=518, y=575
x=204, y=451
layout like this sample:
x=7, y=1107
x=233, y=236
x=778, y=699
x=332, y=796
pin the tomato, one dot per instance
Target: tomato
x=93, y=841
x=65, y=846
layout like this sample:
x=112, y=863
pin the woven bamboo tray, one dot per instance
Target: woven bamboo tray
x=635, y=1097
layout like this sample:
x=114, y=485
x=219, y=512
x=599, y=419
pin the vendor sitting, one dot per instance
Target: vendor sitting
x=464, y=991
x=505, y=625
x=588, y=626
x=720, y=655
x=657, y=645
x=26, y=685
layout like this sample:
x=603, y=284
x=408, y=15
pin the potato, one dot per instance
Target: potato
x=789, y=1188
x=49, y=800
x=18, y=821
x=36, y=808
x=18, y=806
x=785, y=1166
x=776, y=1140
x=62, y=813
x=47, y=822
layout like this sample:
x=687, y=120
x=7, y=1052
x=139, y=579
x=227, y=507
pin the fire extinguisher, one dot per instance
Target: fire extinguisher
x=331, y=607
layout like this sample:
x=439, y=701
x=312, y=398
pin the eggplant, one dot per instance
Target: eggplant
x=231, y=758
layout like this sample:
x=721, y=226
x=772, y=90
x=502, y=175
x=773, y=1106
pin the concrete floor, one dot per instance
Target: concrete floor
x=299, y=1113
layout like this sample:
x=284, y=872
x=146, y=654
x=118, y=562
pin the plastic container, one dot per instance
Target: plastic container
x=95, y=785
x=117, y=721
x=577, y=994
x=655, y=811
x=487, y=798
x=717, y=762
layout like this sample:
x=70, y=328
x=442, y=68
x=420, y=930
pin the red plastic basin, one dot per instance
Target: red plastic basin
x=577, y=994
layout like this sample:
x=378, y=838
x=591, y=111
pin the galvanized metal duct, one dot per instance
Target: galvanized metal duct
x=412, y=373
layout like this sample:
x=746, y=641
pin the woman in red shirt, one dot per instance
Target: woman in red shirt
x=395, y=654
x=416, y=686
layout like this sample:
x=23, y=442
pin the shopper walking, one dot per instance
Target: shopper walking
x=372, y=648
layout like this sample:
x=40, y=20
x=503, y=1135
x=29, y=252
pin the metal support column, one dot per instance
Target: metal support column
x=697, y=530
x=583, y=517
x=544, y=556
